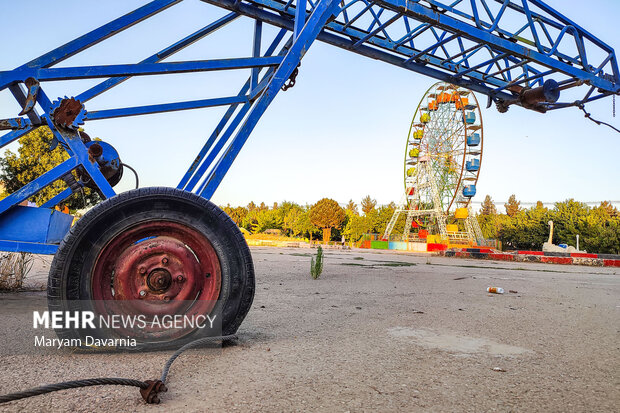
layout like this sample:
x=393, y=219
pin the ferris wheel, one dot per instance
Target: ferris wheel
x=442, y=162
x=444, y=145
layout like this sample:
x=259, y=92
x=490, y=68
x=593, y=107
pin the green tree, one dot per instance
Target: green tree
x=572, y=218
x=327, y=214
x=356, y=226
x=290, y=222
x=352, y=206
x=607, y=210
x=488, y=207
x=598, y=228
x=250, y=220
x=368, y=204
x=304, y=226
x=237, y=214
x=285, y=207
x=606, y=240
x=513, y=206
x=267, y=219
x=381, y=217
x=33, y=159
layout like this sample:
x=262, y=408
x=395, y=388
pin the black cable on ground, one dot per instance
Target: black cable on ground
x=71, y=385
x=149, y=389
x=193, y=344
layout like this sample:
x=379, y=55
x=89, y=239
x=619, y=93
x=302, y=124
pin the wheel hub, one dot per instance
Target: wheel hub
x=159, y=280
x=156, y=269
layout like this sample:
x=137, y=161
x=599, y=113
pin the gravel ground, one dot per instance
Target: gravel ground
x=379, y=331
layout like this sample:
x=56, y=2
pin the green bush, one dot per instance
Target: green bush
x=316, y=266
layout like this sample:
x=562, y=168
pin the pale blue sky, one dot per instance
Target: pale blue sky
x=339, y=133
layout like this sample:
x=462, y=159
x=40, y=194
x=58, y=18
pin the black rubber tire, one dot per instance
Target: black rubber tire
x=69, y=273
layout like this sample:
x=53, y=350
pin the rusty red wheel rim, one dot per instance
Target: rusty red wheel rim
x=153, y=270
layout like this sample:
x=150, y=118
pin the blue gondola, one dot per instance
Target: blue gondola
x=473, y=165
x=469, y=191
x=473, y=139
x=470, y=117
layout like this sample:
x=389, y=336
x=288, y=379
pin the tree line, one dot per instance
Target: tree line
x=527, y=228
x=325, y=219
x=517, y=228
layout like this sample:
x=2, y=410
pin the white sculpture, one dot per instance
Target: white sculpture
x=549, y=246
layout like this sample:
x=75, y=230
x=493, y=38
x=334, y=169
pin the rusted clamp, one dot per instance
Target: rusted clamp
x=151, y=393
x=33, y=90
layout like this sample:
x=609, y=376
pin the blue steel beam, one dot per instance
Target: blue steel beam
x=159, y=56
x=100, y=34
x=215, y=154
x=258, y=34
x=164, y=107
x=33, y=187
x=108, y=84
x=324, y=10
x=14, y=135
x=520, y=54
x=139, y=69
x=58, y=198
x=200, y=165
x=365, y=50
x=31, y=247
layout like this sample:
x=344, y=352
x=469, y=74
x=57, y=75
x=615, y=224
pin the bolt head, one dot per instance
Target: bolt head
x=142, y=270
x=164, y=260
x=180, y=278
x=166, y=298
x=142, y=293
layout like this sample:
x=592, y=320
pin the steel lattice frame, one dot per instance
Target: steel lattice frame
x=505, y=49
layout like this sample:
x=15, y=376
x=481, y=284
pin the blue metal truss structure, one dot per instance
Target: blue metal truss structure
x=517, y=52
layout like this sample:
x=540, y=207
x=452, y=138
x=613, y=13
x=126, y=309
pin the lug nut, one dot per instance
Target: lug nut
x=164, y=260
x=142, y=270
x=180, y=278
x=142, y=293
x=166, y=298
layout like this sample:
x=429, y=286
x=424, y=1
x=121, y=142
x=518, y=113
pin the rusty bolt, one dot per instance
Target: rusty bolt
x=180, y=278
x=142, y=293
x=95, y=150
x=166, y=298
x=142, y=270
x=164, y=260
